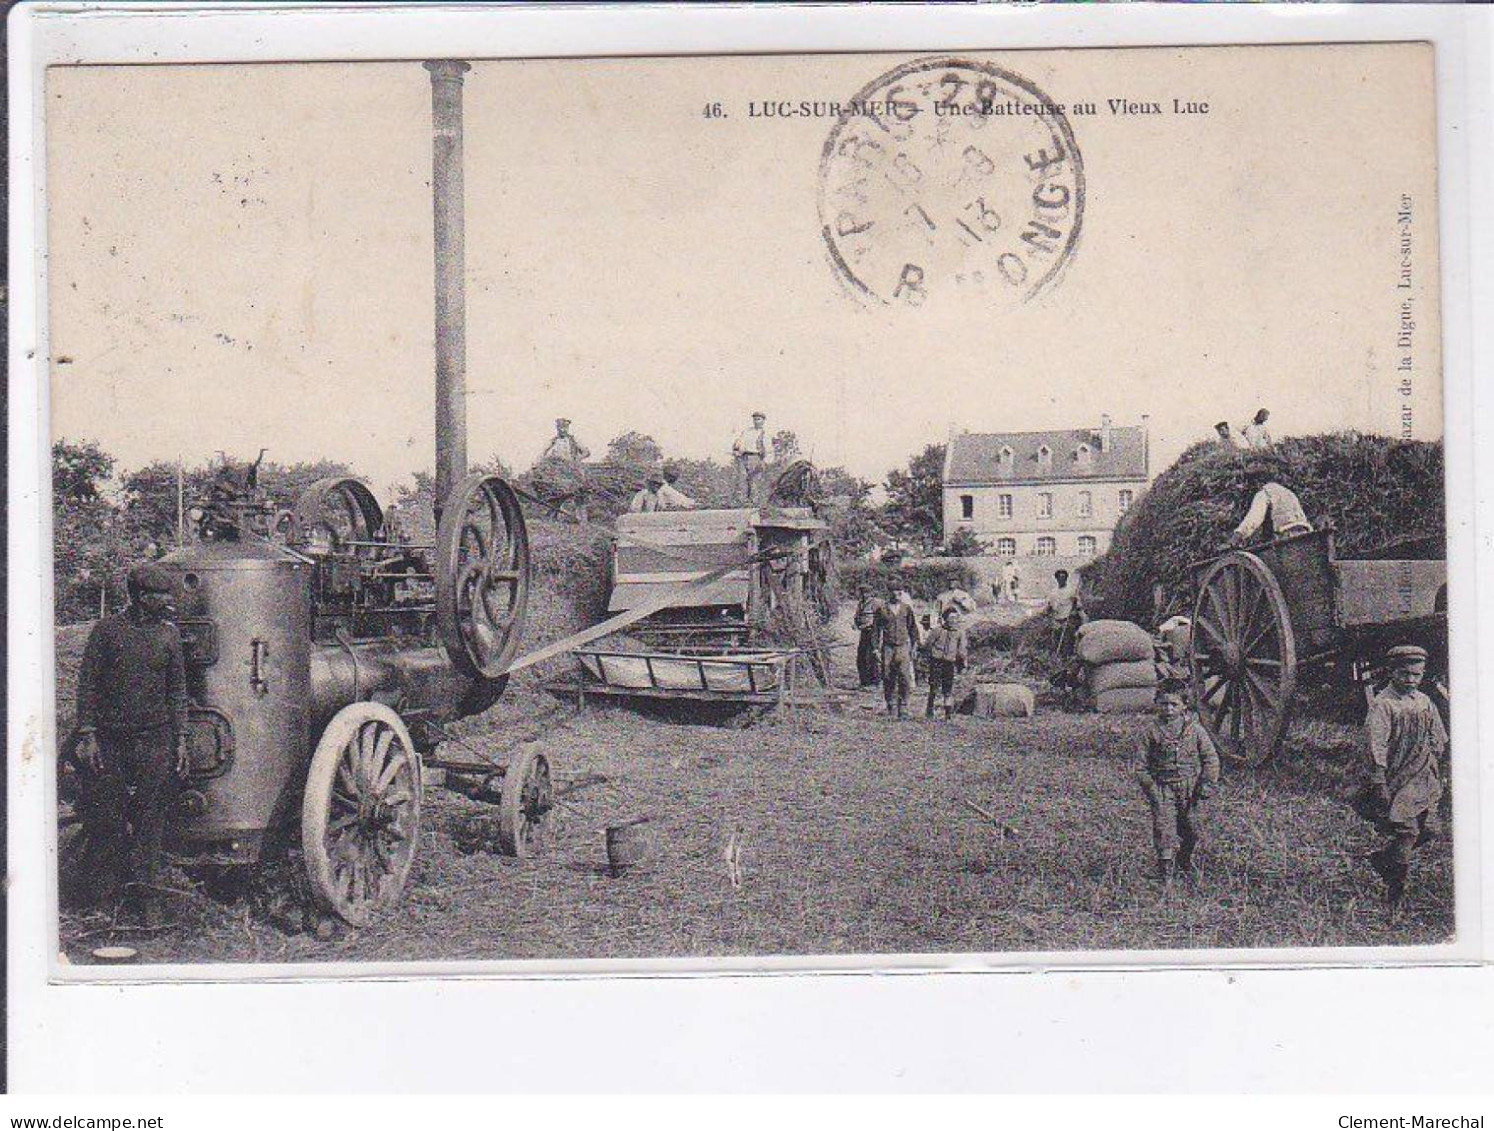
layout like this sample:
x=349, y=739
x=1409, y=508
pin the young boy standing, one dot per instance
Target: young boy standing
x=948, y=651
x=1406, y=742
x=1179, y=769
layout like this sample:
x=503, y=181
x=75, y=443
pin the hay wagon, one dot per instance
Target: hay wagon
x=1289, y=613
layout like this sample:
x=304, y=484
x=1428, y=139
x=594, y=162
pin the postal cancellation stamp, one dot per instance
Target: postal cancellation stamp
x=950, y=173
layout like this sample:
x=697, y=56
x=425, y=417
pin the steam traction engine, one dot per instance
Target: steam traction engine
x=321, y=667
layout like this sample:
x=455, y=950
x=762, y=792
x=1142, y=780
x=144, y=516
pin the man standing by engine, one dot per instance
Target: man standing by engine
x=132, y=714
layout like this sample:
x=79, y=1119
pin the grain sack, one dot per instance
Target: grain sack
x=1178, y=632
x=1000, y=701
x=1127, y=673
x=1125, y=700
x=1109, y=641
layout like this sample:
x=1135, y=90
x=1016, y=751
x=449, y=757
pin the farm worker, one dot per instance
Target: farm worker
x=1065, y=613
x=1275, y=512
x=868, y=667
x=898, y=637
x=948, y=651
x=1179, y=770
x=563, y=445
x=1226, y=436
x=562, y=474
x=952, y=598
x=658, y=495
x=749, y=452
x=132, y=715
x=1407, y=742
x=1011, y=580
x=1256, y=436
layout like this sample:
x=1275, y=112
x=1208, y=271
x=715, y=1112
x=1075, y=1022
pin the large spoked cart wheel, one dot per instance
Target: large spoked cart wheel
x=361, y=813
x=482, y=576
x=1243, y=657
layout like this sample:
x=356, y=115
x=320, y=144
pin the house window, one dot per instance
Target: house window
x=1045, y=456
x=1004, y=506
x=1082, y=455
x=1006, y=547
x=1087, y=545
x=967, y=506
x=1045, y=504
x=1047, y=547
x=1086, y=504
x=1126, y=497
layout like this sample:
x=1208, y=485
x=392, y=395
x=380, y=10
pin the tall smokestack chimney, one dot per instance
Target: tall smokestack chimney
x=451, y=266
x=1105, y=432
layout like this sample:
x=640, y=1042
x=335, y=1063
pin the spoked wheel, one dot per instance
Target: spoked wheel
x=336, y=513
x=482, y=579
x=524, y=810
x=361, y=813
x=1244, y=657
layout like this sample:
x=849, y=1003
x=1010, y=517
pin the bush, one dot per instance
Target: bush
x=964, y=544
x=923, y=579
x=1371, y=489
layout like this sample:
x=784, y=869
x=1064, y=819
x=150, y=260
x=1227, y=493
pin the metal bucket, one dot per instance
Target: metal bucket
x=628, y=844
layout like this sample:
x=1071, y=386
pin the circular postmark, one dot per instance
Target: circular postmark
x=950, y=173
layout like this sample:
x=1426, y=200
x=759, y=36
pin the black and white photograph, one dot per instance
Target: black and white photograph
x=804, y=507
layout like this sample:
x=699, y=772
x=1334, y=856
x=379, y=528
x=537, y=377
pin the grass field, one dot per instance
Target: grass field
x=853, y=839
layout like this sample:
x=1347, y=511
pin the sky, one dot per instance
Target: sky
x=241, y=257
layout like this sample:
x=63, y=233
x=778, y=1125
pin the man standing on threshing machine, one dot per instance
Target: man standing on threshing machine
x=563, y=463
x=749, y=451
x=1275, y=512
x=897, y=632
x=1407, y=743
x=132, y=714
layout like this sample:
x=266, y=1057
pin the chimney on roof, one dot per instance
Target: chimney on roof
x=1146, y=443
x=1104, y=432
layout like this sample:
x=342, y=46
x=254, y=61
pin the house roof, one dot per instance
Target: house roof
x=974, y=458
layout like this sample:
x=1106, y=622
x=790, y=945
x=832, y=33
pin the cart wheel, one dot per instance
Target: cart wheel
x=524, y=811
x=1244, y=657
x=482, y=576
x=361, y=813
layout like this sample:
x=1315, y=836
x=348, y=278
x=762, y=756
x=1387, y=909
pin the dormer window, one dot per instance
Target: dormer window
x=1008, y=457
x=1083, y=455
x=1045, y=456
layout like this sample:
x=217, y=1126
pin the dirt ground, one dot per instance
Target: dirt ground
x=852, y=838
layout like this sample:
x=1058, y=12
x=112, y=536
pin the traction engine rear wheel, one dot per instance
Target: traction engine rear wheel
x=360, y=817
x=1244, y=658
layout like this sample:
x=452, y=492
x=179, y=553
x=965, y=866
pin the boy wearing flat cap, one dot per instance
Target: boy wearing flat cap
x=1406, y=741
x=1179, y=770
x=132, y=714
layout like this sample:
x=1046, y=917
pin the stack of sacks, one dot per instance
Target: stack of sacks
x=1119, y=665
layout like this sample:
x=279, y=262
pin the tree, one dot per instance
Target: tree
x=634, y=449
x=853, y=523
x=914, y=510
x=785, y=446
x=79, y=470
x=964, y=544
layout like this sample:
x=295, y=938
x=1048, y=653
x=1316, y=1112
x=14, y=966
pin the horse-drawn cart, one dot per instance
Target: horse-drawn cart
x=1272, y=618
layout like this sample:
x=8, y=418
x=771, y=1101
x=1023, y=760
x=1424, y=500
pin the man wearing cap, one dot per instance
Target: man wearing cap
x=899, y=638
x=1226, y=436
x=132, y=714
x=659, y=494
x=749, y=451
x=1065, y=613
x=1406, y=741
x=563, y=478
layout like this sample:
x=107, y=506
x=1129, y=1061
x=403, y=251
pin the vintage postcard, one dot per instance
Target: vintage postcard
x=732, y=509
